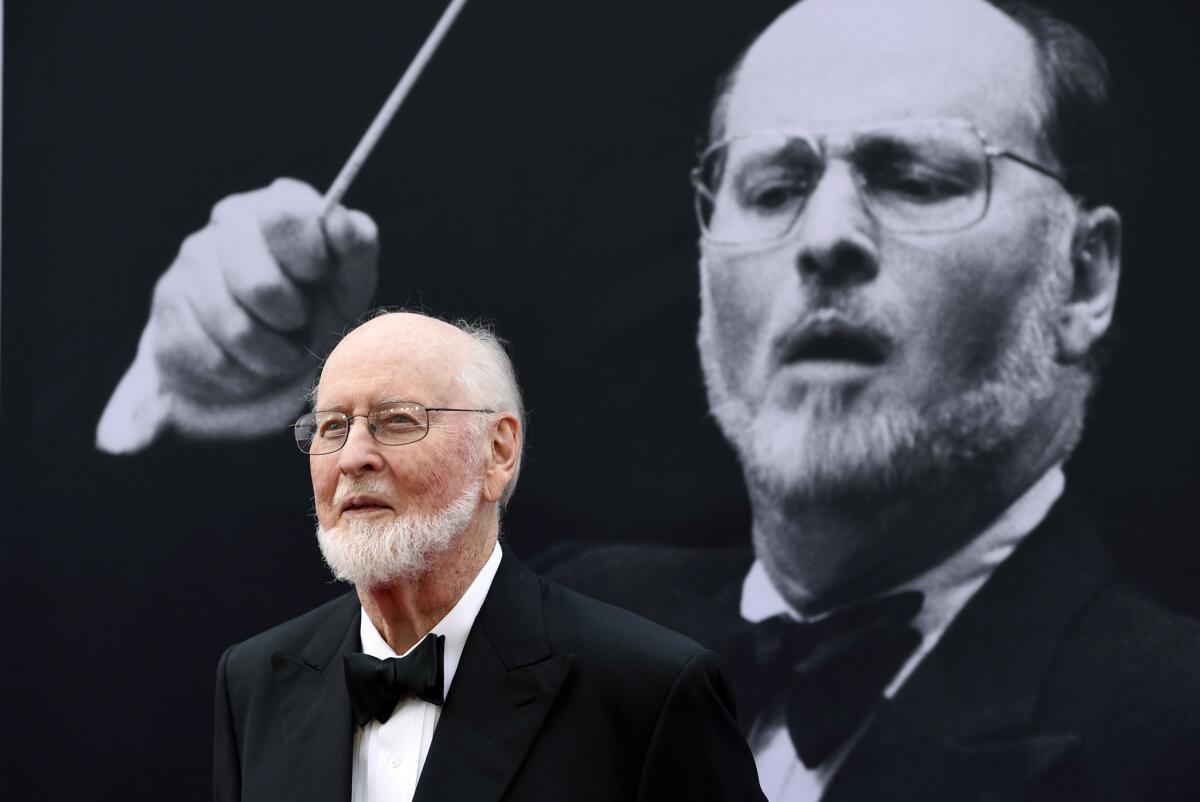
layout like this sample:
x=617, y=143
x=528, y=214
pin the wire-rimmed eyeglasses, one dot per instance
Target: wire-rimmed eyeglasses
x=914, y=176
x=391, y=423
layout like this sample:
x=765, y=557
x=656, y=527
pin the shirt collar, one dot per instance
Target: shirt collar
x=455, y=626
x=948, y=585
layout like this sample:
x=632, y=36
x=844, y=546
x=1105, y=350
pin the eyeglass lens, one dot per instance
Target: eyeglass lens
x=916, y=178
x=393, y=424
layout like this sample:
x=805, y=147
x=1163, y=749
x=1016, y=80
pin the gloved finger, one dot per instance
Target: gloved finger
x=138, y=408
x=266, y=413
x=255, y=279
x=262, y=351
x=354, y=241
x=288, y=215
x=190, y=362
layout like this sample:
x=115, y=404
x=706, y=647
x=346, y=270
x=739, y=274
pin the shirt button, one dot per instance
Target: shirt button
x=395, y=762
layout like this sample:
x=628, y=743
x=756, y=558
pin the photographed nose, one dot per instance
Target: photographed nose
x=361, y=452
x=836, y=237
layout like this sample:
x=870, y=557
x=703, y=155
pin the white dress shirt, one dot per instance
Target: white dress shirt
x=947, y=587
x=388, y=757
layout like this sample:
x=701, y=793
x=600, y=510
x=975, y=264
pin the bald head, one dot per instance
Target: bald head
x=402, y=344
x=466, y=352
x=421, y=358
x=842, y=63
x=841, y=60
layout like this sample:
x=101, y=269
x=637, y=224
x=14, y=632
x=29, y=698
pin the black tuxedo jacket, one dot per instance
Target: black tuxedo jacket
x=556, y=697
x=1057, y=681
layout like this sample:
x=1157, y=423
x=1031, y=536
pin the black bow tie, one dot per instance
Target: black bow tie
x=829, y=674
x=377, y=686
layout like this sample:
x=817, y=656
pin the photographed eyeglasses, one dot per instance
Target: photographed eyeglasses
x=914, y=177
x=392, y=423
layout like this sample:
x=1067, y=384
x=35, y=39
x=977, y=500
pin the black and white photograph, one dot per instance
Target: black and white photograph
x=842, y=349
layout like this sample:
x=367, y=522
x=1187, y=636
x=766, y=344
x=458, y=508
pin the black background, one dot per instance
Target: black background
x=537, y=176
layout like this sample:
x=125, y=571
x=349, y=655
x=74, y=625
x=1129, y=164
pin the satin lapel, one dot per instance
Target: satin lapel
x=963, y=726
x=506, y=683
x=318, y=723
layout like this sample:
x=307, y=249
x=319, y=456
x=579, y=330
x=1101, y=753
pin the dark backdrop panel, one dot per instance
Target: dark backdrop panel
x=537, y=177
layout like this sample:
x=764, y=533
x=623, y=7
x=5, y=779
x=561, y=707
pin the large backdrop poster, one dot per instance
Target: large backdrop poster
x=537, y=177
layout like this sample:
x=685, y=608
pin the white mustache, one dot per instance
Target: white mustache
x=373, y=486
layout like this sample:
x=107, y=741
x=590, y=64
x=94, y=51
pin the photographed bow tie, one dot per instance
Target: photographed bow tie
x=828, y=674
x=377, y=686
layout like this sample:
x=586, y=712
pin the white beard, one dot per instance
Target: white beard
x=369, y=555
x=826, y=451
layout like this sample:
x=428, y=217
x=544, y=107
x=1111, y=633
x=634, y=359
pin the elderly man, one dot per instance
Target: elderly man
x=906, y=264
x=453, y=672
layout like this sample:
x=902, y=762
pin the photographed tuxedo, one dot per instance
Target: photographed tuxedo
x=1056, y=681
x=556, y=697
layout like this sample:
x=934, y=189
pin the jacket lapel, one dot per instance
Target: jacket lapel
x=506, y=682
x=318, y=722
x=963, y=726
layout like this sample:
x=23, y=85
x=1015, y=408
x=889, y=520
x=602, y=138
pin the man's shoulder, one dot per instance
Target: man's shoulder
x=293, y=636
x=641, y=567
x=1061, y=641
x=692, y=590
x=587, y=626
x=1136, y=648
x=1126, y=683
x=1110, y=631
x=1061, y=607
x=626, y=664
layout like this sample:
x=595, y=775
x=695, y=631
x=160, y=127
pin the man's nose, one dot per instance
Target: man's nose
x=361, y=451
x=836, y=240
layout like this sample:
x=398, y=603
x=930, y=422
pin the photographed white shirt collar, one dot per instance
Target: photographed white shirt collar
x=947, y=586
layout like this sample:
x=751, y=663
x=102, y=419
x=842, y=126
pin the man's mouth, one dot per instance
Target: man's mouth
x=363, y=504
x=828, y=337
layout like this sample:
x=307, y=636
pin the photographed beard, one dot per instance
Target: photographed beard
x=370, y=555
x=827, y=450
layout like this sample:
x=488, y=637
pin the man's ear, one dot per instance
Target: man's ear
x=504, y=453
x=1095, y=270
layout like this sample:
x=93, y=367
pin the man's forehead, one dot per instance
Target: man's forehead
x=366, y=392
x=841, y=63
x=394, y=357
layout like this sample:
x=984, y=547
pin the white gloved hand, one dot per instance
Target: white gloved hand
x=238, y=321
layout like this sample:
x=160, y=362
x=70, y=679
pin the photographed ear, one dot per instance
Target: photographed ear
x=503, y=456
x=1096, y=269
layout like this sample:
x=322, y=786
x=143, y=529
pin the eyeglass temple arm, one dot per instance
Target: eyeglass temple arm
x=1030, y=163
x=698, y=183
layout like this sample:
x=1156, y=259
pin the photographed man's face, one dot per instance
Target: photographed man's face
x=846, y=358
